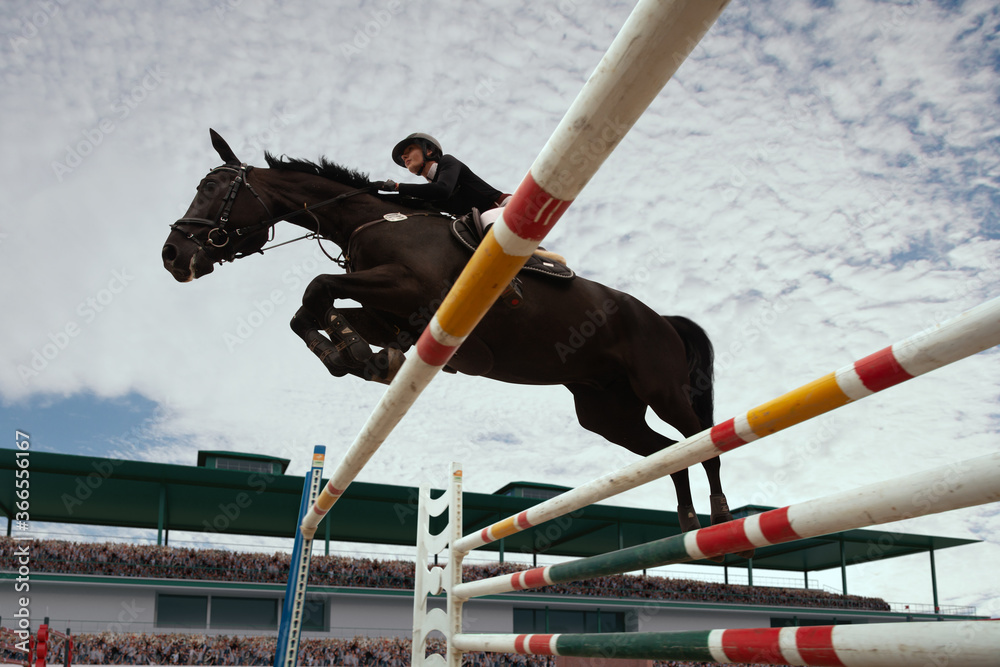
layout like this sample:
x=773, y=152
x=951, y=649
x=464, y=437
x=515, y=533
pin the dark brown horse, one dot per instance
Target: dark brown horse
x=615, y=354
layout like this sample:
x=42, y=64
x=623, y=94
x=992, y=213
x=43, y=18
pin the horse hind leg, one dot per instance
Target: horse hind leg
x=676, y=409
x=671, y=401
x=620, y=417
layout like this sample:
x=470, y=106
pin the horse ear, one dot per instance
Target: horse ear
x=220, y=145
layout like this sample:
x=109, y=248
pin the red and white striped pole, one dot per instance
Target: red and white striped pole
x=966, y=643
x=655, y=40
x=971, y=332
x=961, y=484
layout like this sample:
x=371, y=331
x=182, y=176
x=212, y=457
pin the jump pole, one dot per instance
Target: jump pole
x=971, y=332
x=962, y=484
x=966, y=643
x=290, y=627
x=655, y=40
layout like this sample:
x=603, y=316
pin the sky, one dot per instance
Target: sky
x=817, y=181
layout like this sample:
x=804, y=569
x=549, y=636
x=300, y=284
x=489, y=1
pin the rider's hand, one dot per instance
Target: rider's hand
x=385, y=186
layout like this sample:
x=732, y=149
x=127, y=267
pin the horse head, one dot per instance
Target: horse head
x=219, y=225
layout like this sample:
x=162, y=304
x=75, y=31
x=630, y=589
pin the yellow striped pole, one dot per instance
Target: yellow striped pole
x=973, y=331
x=655, y=40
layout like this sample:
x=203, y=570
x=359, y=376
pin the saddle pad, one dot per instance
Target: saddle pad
x=462, y=230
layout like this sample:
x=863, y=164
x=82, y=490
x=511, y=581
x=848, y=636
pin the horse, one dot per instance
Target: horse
x=616, y=355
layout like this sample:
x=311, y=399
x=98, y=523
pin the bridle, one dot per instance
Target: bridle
x=219, y=237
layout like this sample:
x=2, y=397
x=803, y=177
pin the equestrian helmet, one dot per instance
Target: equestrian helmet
x=425, y=141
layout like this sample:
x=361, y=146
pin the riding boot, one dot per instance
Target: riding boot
x=347, y=341
x=721, y=514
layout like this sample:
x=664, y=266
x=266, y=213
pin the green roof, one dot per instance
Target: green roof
x=135, y=494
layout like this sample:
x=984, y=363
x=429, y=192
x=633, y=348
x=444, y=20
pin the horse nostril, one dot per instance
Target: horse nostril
x=169, y=253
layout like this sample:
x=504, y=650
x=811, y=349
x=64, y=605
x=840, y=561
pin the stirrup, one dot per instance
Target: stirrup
x=513, y=295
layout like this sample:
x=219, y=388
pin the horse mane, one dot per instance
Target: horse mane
x=325, y=168
x=345, y=175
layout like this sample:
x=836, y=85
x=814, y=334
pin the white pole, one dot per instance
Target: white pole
x=655, y=40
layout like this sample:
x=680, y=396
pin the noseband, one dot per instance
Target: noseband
x=218, y=236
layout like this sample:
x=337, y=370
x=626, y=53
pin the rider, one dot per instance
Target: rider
x=451, y=186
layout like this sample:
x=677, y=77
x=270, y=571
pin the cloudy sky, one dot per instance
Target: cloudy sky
x=818, y=181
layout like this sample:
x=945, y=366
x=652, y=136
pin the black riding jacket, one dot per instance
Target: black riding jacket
x=454, y=188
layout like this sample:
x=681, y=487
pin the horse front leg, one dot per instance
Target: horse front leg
x=345, y=348
x=308, y=328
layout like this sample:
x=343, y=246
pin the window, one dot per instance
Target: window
x=245, y=613
x=241, y=465
x=529, y=621
x=181, y=611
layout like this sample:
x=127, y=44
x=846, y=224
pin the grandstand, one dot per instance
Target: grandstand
x=120, y=586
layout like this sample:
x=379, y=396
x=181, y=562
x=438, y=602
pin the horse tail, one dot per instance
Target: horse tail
x=700, y=357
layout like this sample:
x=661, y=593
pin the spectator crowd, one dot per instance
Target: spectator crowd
x=136, y=560
x=109, y=648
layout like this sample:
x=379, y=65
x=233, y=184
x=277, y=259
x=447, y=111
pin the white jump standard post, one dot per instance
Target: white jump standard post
x=435, y=580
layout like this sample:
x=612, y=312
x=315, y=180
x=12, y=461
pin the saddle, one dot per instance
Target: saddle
x=470, y=232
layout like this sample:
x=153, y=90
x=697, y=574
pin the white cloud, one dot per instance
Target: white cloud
x=809, y=188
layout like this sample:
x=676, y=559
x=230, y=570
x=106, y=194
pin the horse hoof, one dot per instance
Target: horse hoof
x=721, y=514
x=687, y=518
x=384, y=365
x=689, y=521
